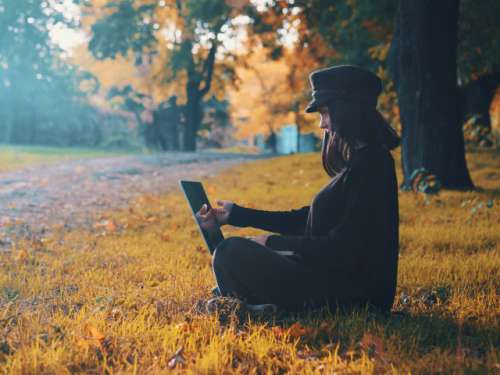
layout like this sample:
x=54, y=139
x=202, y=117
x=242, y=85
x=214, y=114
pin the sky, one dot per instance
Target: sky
x=65, y=37
x=68, y=38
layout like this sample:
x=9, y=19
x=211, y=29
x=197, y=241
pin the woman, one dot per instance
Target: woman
x=345, y=243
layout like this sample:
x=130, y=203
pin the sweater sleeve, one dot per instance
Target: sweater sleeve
x=339, y=246
x=291, y=222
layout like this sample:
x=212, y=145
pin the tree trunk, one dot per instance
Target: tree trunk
x=476, y=97
x=425, y=67
x=8, y=125
x=193, y=115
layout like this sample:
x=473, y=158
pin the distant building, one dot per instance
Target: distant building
x=286, y=141
x=259, y=141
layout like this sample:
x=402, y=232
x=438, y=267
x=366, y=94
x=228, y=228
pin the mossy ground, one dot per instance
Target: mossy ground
x=118, y=299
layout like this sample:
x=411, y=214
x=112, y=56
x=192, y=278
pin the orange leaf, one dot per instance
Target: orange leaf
x=297, y=330
x=165, y=237
x=92, y=334
x=37, y=244
x=184, y=327
x=110, y=226
x=22, y=256
x=152, y=219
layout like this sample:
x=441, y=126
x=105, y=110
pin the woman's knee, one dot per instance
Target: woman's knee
x=225, y=250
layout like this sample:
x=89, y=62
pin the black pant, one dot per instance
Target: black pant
x=257, y=274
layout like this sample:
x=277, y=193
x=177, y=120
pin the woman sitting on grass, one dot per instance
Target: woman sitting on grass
x=344, y=245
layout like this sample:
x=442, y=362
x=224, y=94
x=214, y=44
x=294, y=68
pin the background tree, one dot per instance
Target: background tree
x=425, y=69
x=478, y=58
x=42, y=96
x=262, y=101
x=183, y=35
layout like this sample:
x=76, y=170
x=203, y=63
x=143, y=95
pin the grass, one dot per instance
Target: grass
x=118, y=299
x=16, y=157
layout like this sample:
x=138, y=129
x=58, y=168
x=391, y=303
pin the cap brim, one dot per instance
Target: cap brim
x=312, y=107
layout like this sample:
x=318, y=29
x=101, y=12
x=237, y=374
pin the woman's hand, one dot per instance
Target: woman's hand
x=209, y=219
x=222, y=213
x=260, y=239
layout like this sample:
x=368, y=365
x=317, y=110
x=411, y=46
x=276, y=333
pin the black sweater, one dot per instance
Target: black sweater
x=350, y=230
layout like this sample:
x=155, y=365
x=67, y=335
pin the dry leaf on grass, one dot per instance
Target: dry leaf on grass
x=297, y=330
x=22, y=256
x=373, y=345
x=37, y=244
x=91, y=336
x=108, y=225
x=177, y=359
x=152, y=219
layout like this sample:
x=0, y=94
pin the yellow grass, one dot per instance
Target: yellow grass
x=16, y=157
x=117, y=299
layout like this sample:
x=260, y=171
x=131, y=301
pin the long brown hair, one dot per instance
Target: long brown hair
x=351, y=122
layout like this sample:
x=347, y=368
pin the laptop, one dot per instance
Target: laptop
x=196, y=197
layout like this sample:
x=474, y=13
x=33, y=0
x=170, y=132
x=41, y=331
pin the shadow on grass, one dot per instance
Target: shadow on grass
x=492, y=193
x=414, y=334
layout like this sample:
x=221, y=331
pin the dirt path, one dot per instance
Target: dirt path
x=73, y=193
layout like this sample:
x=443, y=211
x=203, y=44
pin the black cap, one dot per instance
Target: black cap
x=347, y=82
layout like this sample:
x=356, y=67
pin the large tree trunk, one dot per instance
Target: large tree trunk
x=425, y=67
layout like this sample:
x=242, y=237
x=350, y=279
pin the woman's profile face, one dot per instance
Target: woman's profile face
x=325, y=121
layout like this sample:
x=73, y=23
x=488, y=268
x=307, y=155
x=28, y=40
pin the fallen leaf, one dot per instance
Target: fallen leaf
x=92, y=335
x=373, y=345
x=116, y=314
x=152, y=219
x=184, y=327
x=165, y=237
x=22, y=256
x=37, y=244
x=297, y=330
x=177, y=359
x=110, y=226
